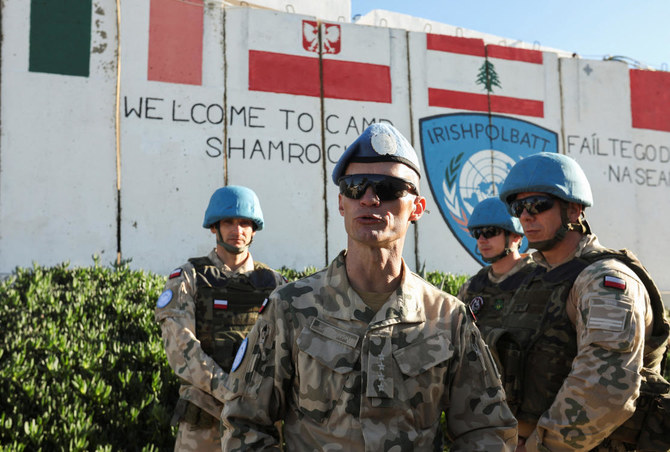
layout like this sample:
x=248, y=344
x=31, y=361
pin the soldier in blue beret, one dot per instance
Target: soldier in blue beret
x=366, y=355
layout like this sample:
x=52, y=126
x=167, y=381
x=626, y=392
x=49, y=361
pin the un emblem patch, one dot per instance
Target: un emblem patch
x=467, y=156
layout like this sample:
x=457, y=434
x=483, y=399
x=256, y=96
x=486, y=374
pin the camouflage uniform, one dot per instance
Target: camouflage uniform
x=343, y=377
x=202, y=378
x=599, y=393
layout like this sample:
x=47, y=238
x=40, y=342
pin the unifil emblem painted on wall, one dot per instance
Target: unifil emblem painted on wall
x=467, y=157
x=331, y=37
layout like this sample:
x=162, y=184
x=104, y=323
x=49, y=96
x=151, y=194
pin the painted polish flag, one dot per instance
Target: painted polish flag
x=466, y=74
x=650, y=99
x=287, y=62
x=220, y=304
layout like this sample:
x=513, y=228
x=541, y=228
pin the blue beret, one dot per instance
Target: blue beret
x=378, y=143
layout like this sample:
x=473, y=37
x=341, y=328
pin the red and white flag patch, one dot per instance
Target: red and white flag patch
x=265, y=303
x=220, y=304
x=614, y=282
x=175, y=273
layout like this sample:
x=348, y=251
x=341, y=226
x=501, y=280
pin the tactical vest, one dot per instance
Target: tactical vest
x=536, y=333
x=487, y=299
x=226, y=307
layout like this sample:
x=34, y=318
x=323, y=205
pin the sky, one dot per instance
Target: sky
x=594, y=29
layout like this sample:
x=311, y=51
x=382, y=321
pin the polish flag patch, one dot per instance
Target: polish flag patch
x=614, y=282
x=175, y=273
x=265, y=303
x=220, y=304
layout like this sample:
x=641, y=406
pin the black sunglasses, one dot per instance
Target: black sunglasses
x=533, y=205
x=487, y=232
x=387, y=188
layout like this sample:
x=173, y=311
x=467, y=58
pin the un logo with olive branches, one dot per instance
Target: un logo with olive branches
x=467, y=156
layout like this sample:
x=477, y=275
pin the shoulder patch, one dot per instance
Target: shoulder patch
x=614, y=282
x=164, y=299
x=476, y=304
x=175, y=273
x=609, y=315
x=239, y=356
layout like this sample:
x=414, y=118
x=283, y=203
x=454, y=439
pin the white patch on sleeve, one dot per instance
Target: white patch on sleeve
x=609, y=315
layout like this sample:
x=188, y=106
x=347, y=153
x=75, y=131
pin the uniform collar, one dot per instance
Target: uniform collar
x=246, y=267
x=587, y=243
x=403, y=306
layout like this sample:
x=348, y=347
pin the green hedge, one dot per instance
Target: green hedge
x=82, y=364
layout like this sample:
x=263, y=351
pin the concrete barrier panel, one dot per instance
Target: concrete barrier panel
x=273, y=136
x=171, y=121
x=365, y=81
x=474, y=119
x=627, y=166
x=58, y=161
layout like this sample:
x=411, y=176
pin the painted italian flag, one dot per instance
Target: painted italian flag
x=60, y=39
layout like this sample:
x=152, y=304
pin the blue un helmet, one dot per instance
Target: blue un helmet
x=551, y=173
x=234, y=201
x=554, y=174
x=493, y=212
x=380, y=142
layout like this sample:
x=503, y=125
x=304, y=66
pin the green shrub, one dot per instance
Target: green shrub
x=446, y=281
x=82, y=365
x=292, y=275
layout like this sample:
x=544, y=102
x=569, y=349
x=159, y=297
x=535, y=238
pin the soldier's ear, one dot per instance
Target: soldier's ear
x=574, y=211
x=419, y=208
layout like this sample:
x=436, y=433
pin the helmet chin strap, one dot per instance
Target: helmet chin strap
x=507, y=251
x=230, y=248
x=580, y=226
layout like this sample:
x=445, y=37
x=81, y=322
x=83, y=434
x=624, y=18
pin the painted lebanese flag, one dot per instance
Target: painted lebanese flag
x=288, y=63
x=466, y=74
x=650, y=99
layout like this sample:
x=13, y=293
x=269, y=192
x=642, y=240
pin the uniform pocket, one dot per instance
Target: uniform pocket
x=327, y=356
x=424, y=367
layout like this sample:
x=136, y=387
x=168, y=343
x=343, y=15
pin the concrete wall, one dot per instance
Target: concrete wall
x=121, y=151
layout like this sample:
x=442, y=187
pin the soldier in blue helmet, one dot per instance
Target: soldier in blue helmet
x=206, y=309
x=499, y=236
x=584, y=337
x=365, y=355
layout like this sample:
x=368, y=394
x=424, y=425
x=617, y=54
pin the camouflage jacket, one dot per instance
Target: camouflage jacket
x=610, y=309
x=343, y=377
x=202, y=378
